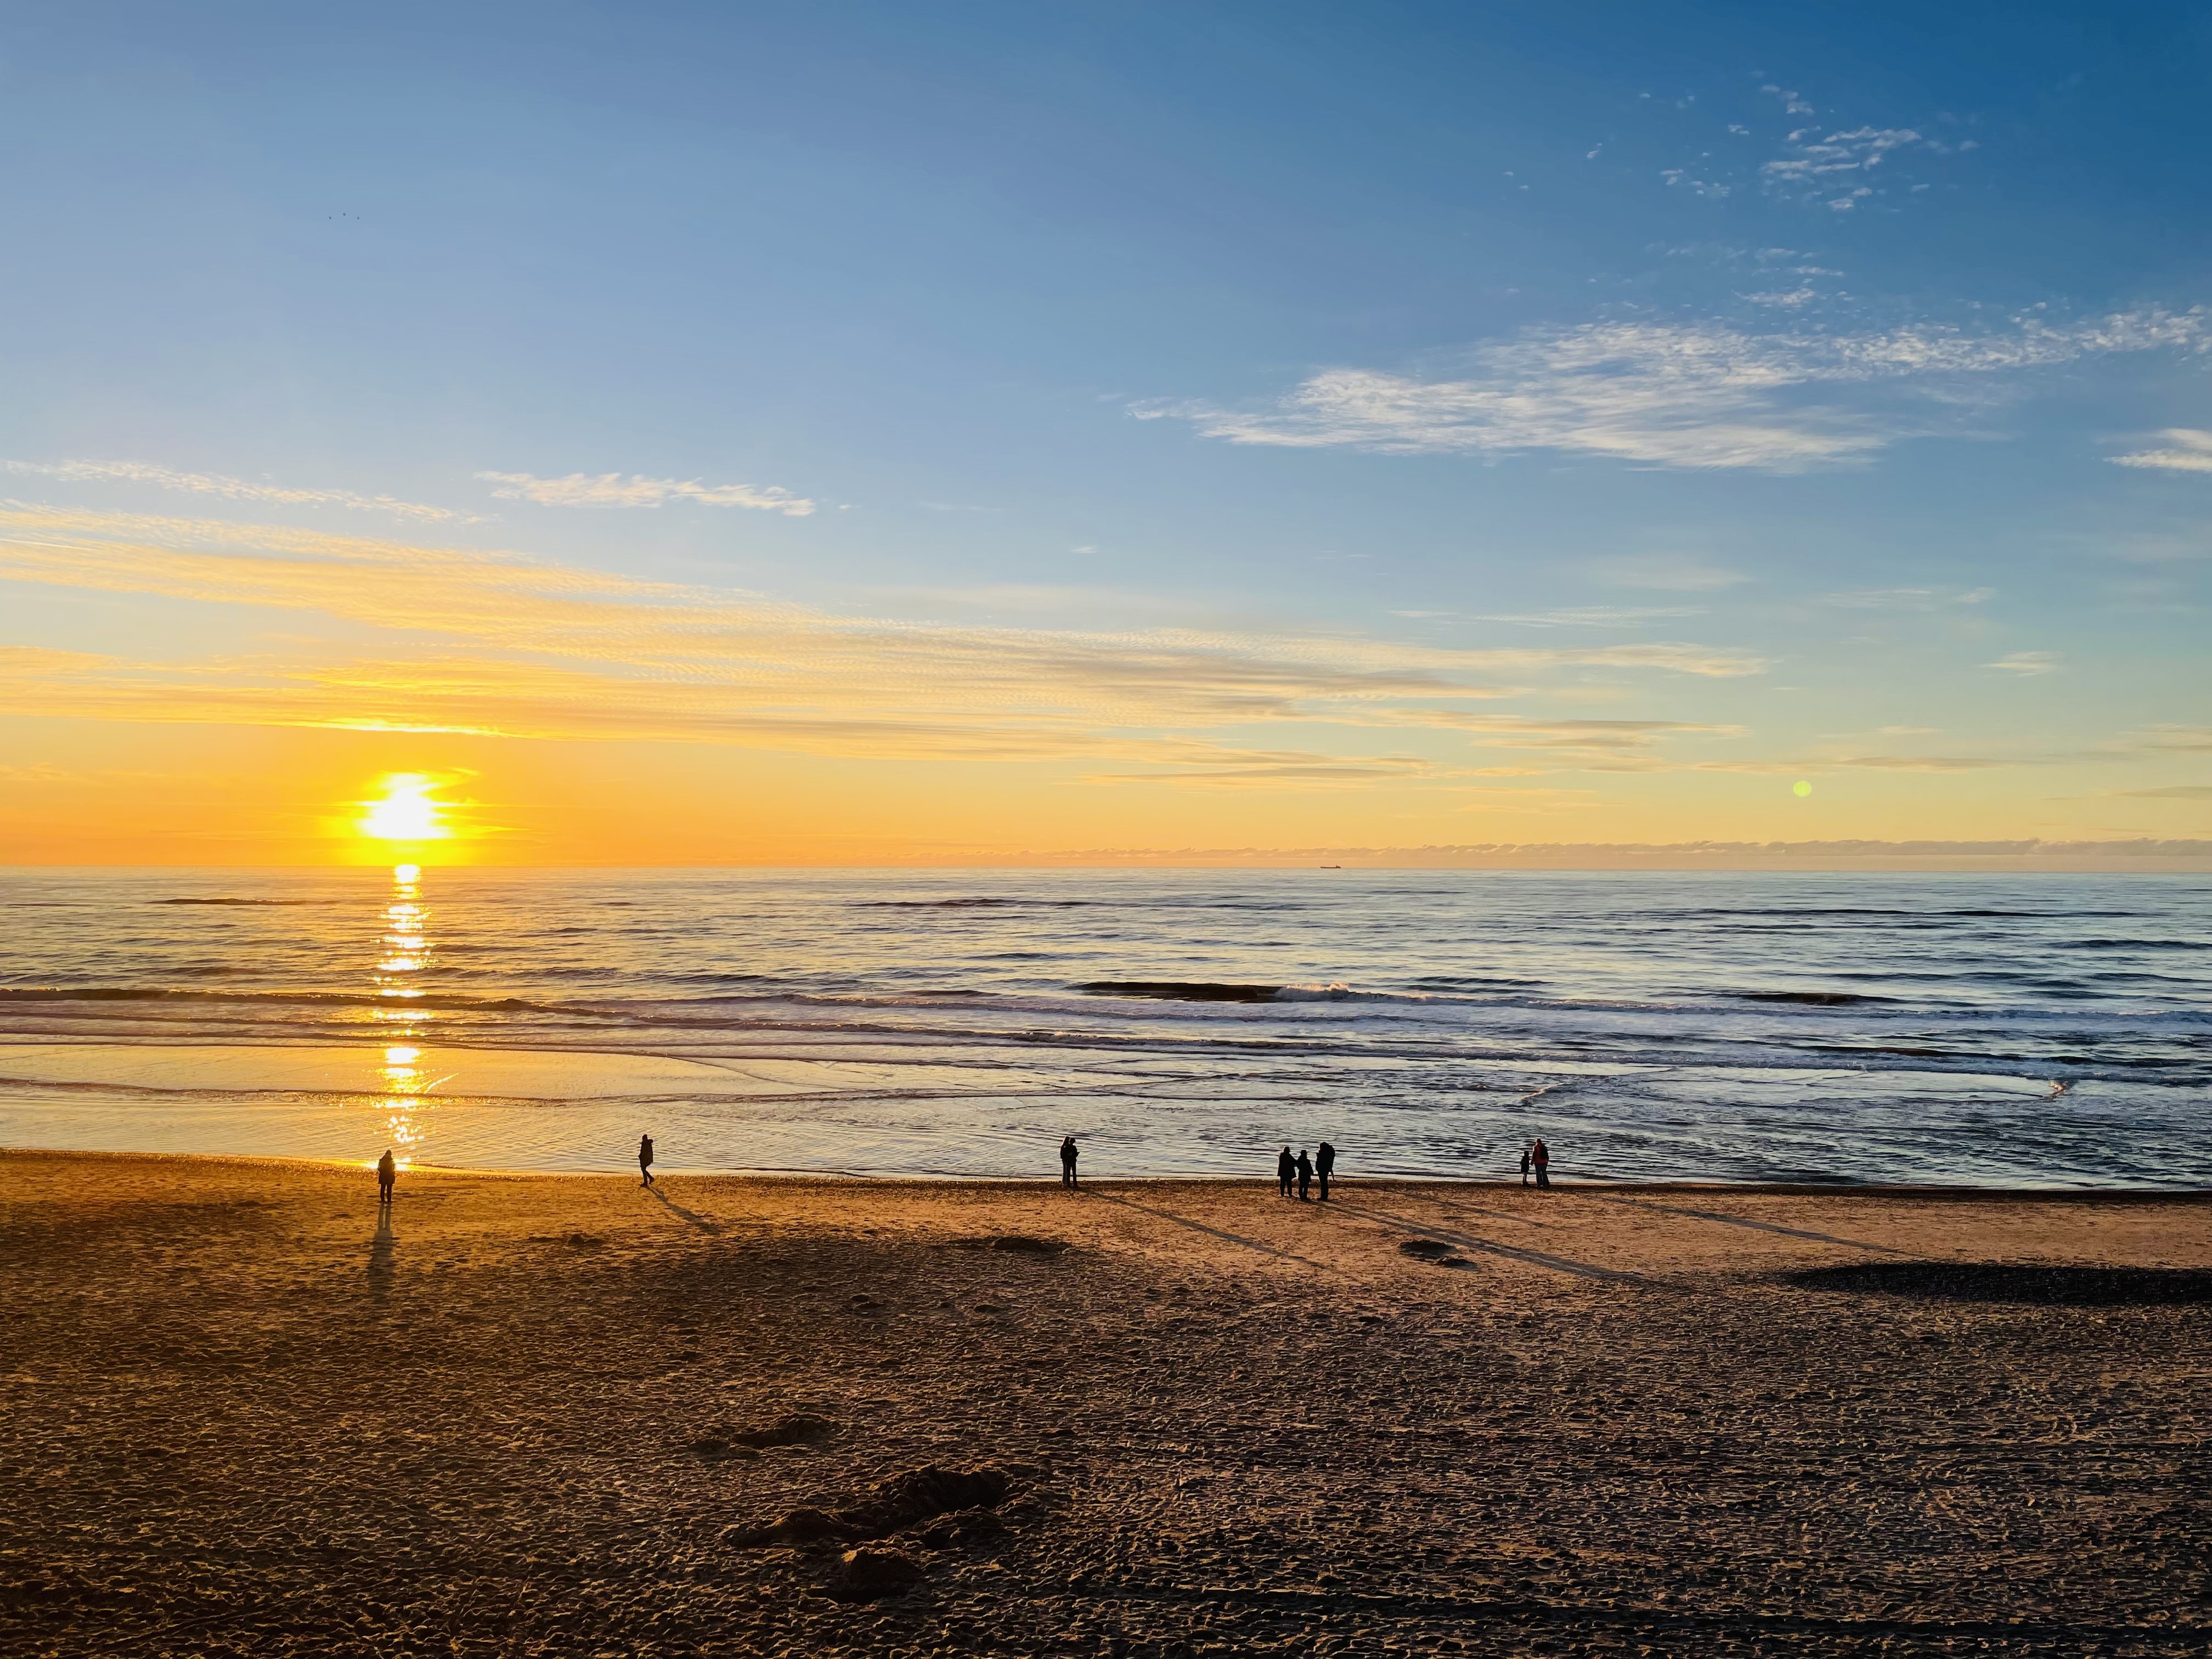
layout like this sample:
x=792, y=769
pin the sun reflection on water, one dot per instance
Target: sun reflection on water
x=404, y=951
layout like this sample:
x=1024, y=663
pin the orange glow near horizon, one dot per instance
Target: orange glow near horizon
x=313, y=798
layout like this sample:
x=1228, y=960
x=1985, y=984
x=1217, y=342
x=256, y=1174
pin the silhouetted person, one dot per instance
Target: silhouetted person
x=1540, y=1158
x=1305, y=1178
x=1286, y=1171
x=1324, y=1167
x=387, y=1173
x=1069, y=1151
x=645, y=1159
x=1524, y=1164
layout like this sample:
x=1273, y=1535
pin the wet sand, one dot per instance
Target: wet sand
x=243, y=1416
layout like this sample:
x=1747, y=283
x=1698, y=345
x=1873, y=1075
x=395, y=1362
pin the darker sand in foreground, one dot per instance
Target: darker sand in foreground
x=243, y=1418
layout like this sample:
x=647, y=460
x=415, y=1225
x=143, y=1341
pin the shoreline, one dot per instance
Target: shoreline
x=1045, y=1181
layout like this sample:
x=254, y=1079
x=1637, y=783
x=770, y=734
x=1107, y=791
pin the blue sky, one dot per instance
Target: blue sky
x=1374, y=425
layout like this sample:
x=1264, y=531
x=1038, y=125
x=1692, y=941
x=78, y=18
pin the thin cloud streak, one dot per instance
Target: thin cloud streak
x=2028, y=664
x=2189, y=450
x=1592, y=616
x=1909, y=598
x=235, y=490
x=612, y=489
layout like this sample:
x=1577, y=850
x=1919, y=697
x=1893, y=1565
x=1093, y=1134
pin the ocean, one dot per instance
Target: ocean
x=2033, y=1031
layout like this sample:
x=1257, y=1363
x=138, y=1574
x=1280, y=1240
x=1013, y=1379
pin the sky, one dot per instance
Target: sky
x=849, y=434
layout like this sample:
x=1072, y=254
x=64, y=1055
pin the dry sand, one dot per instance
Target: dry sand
x=242, y=1418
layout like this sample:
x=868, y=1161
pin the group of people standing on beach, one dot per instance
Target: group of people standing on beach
x=1295, y=1173
x=1295, y=1176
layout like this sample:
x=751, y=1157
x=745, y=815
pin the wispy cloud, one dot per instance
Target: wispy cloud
x=1698, y=395
x=499, y=643
x=1588, y=616
x=2174, y=792
x=2188, y=740
x=1032, y=599
x=612, y=489
x=2028, y=663
x=1915, y=762
x=235, y=490
x=1585, y=737
x=1909, y=598
x=1687, y=178
x=1667, y=573
x=1221, y=767
x=1833, y=167
x=2188, y=450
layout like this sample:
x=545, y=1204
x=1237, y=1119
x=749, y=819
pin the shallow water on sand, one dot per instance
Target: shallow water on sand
x=2041, y=1030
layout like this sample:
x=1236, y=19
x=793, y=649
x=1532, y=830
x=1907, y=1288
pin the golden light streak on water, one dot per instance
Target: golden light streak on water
x=406, y=950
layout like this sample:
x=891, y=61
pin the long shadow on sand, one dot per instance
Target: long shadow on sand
x=2018, y=1282
x=679, y=1211
x=1739, y=1221
x=1213, y=1232
x=381, y=1265
x=1462, y=1208
x=1467, y=1242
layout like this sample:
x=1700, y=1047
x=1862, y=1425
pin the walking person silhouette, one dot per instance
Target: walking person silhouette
x=1324, y=1167
x=1069, y=1151
x=1286, y=1171
x=645, y=1159
x=1305, y=1178
x=387, y=1173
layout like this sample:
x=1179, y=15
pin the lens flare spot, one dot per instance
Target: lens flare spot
x=1800, y=789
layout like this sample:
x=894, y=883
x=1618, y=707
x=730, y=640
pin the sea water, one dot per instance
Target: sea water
x=2043, y=1031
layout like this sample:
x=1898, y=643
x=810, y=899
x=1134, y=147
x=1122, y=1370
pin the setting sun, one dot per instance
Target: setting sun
x=405, y=811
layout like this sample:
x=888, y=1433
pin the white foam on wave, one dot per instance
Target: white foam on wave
x=1338, y=990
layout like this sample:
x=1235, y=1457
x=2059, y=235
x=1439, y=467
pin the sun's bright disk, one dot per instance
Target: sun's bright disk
x=406, y=812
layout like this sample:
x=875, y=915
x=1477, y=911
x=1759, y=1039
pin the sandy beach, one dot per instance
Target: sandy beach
x=543, y=1415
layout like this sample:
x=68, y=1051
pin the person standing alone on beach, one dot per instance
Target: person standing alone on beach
x=1286, y=1171
x=645, y=1159
x=1539, y=1158
x=387, y=1173
x=1324, y=1166
x=1069, y=1151
x=1305, y=1178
